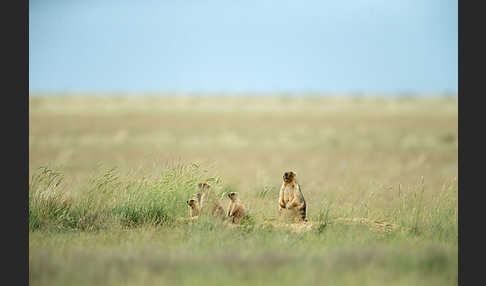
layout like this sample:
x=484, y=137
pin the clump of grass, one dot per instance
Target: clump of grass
x=51, y=206
x=133, y=213
x=323, y=218
x=129, y=200
x=418, y=208
x=248, y=223
x=44, y=204
x=441, y=217
x=436, y=217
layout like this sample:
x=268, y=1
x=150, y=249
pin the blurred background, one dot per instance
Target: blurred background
x=137, y=83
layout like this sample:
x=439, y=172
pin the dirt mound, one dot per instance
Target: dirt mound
x=382, y=226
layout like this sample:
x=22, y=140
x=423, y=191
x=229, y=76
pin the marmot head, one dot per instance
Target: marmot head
x=233, y=196
x=289, y=176
x=191, y=203
x=203, y=186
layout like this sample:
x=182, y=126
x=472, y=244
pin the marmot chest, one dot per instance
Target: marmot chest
x=289, y=193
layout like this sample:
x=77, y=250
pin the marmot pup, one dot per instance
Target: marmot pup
x=193, y=207
x=236, y=210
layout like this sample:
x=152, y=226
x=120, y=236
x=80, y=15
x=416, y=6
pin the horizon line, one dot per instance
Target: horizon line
x=353, y=93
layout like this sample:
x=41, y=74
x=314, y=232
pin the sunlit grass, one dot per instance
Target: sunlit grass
x=109, y=178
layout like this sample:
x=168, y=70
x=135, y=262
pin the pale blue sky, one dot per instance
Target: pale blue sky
x=243, y=45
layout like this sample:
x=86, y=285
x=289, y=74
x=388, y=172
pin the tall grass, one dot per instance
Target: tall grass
x=111, y=198
x=378, y=176
x=114, y=200
x=51, y=206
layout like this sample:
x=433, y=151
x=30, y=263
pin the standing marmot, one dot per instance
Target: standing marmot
x=209, y=202
x=236, y=210
x=291, y=197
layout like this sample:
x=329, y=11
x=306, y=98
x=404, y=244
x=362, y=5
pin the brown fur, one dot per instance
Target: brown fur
x=236, y=210
x=197, y=197
x=208, y=201
x=291, y=197
x=193, y=207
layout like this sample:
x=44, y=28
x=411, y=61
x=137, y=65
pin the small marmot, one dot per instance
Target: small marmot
x=236, y=210
x=193, y=207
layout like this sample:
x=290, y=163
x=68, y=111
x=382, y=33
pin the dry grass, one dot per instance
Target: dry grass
x=380, y=174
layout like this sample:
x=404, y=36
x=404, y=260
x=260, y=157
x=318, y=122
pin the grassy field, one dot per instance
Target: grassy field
x=110, y=177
